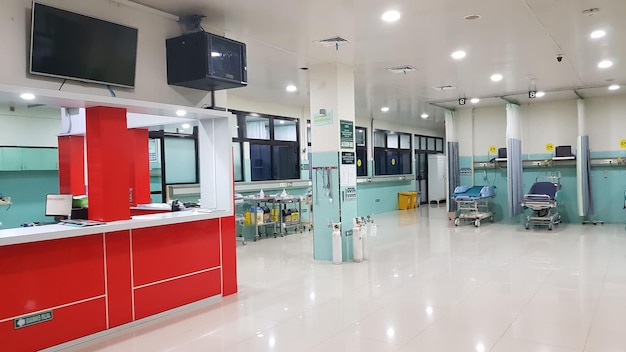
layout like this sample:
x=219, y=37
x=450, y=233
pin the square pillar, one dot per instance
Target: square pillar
x=107, y=164
x=139, y=165
x=72, y=165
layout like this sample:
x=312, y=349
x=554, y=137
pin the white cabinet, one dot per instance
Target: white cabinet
x=436, y=177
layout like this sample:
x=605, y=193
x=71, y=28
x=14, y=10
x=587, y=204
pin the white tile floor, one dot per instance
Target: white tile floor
x=427, y=287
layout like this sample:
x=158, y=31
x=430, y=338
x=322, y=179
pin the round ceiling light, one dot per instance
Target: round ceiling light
x=391, y=16
x=540, y=94
x=424, y=115
x=475, y=101
x=496, y=77
x=458, y=55
x=384, y=109
x=186, y=126
x=597, y=34
x=291, y=88
x=614, y=87
x=27, y=96
x=181, y=113
x=605, y=64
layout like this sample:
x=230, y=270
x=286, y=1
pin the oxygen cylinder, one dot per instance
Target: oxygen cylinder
x=337, y=256
x=357, y=240
x=373, y=230
x=364, y=231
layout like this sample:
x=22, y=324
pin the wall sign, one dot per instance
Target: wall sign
x=466, y=171
x=346, y=133
x=493, y=149
x=359, y=163
x=323, y=117
x=32, y=319
x=347, y=158
x=622, y=143
x=549, y=147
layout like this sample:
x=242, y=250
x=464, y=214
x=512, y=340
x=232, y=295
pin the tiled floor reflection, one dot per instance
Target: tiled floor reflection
x=426, y=287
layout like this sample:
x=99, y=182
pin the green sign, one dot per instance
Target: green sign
x=32, y=319
x=323, y=117
x=347, y=158
x=346, y=132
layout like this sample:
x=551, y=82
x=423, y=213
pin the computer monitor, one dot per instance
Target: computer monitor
x=59, y=205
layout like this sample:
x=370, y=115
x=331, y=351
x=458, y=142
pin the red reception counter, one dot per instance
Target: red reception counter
x=61, y=283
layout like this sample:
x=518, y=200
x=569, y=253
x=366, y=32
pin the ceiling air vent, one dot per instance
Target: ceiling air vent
x=442, y=88
x=401, y=69
x=334, y=42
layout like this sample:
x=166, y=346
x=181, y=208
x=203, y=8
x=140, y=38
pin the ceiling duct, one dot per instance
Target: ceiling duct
x=446, y=87
x=401, y=69
x=334, y=42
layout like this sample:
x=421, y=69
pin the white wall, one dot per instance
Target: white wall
x=236, y=102
x=606, y=122
x=489, y=129
x=151, y=74
x=548, y=122
x=29, y=127
x=463, y=129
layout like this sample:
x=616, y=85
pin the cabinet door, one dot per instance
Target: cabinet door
x=31, y=158
x=49, y=159
x=11, y=159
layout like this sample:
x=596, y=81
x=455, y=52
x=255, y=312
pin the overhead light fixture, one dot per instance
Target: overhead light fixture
x=215, y=54
x=540, y=94
x=291, y=88
x=424, y=115
x=186, y=126
x=475, y=101
x=496, y=77
x=308, y=125
x=391, y=16
x=27, y=96
x=605, y=64
x=458, y=55
x=598, y=34
x=614, y=87
x=384, y=109
x=282, y=122
x=181, y=113
x=254, y=114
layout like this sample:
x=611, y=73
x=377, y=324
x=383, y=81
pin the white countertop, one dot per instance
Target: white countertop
x=57, y=231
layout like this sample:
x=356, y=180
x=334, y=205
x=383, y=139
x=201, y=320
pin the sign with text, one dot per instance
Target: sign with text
x=346, y=134
x=323, y=117
x=32, y=319
x=347, y=158
x=493, y=149
x=549, y=147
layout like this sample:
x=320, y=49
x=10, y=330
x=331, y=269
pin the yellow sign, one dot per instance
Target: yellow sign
x=493, y=149
x=359, y=163
x=622, y=143
x=549, y=147
x=393, y=161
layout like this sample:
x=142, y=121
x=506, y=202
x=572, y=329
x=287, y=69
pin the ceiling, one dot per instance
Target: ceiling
x=519, y=39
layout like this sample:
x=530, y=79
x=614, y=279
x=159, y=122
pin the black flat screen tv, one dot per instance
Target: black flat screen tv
x=78, y=47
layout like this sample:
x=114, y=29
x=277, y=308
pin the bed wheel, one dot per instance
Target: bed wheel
x=527, y=225
x=491, y=219
x=456, y=222
x=477, y=223
x=550, y=226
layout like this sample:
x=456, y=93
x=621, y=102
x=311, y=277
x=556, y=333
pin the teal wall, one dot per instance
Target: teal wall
x=27, y=190
x=381, y=197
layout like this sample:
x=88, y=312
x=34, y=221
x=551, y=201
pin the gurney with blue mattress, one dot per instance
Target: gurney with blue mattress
x=542, y=200
x=473, y=203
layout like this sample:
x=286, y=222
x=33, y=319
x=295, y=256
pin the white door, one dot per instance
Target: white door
x=436, y=178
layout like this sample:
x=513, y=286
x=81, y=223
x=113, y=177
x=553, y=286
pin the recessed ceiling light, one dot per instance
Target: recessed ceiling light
x=475, y=101
x=391, y=16
x=496, y=77
x=254, y=114
x=181, y=113
x=384, y=109
x=472, y=17
x=424, y=115
x=308, y=125
x=215, y=54
x=598, y=34
x=458, y=54
x=605, y=64
x=27, y=96
x=614, y=87
x=291, y=88
x=186, y=125
x=540, y=94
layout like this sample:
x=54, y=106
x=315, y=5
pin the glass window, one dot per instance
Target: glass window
x=260, y=162
x=234, y=126
x=154, y=155
x=257, y=127
x=308, y=133
x=392, y=140
x=416, y=142
x=285, y=130
x=405, y=141
x=379, y=139
x=180, y=160
x=423, y=143
x=238, y=170
x=361, y=151
x=360, y=138
x=286, y=162
x=431, y=144
x=439, y=145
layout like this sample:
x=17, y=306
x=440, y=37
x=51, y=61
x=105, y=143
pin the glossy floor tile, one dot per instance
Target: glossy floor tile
x=426, y=287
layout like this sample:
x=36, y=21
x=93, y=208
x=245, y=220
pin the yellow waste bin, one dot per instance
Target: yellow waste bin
x=404, y=200
x=413, y=199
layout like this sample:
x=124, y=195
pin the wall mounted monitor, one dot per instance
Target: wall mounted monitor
x=73, y=46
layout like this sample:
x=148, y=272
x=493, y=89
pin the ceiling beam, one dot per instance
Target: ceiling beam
x=441, y=106
x=509, y=100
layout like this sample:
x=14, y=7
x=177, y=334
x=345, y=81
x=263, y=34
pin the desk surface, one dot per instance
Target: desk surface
x=57, y=231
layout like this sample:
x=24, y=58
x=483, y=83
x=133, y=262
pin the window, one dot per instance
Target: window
x=392, y=153
x=361, y=151
x=429, y=144
x=274, y=146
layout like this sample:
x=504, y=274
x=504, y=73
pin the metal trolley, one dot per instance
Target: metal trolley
x=289, y=213
x=541, y=199
x=473, y=210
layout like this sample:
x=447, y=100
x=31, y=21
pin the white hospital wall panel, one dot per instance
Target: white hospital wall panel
x=548, y=122
x=463, y=130
x=29, y=127
x=489, y=129
x=606, y=123
x=236, y=102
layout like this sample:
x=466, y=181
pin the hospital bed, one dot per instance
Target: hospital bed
x=542, y=200
x=473, y=203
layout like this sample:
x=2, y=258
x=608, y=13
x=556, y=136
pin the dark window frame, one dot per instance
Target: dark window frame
x=361, y=171
x=400, y=152
x=419, y=148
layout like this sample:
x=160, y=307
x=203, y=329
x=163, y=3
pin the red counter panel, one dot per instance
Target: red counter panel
x=160, y=297
x=161, y=253
x=119, y=283
x=38, y=276
x=68, y=323
x=229, y=254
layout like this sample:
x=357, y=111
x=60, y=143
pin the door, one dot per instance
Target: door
x=436, y=178
x=421, y=176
